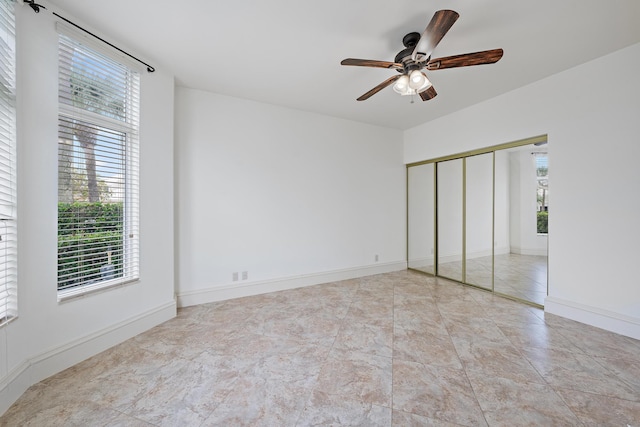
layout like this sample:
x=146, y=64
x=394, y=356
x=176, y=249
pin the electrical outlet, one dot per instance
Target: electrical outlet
x=245, y=275
x=235, y=276
x=376, y=257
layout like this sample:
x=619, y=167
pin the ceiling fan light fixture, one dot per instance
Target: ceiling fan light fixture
x=418, y=81
x=402, y=85
x=424, y=87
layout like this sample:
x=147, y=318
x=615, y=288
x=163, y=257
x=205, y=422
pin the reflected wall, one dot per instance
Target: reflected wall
x=420, y=218
x=479, y=220
x=449, y=220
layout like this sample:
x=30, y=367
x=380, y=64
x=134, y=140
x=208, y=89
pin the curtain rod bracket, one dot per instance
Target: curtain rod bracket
x=33, y=5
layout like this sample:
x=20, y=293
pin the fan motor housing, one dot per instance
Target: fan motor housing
x=404, y=56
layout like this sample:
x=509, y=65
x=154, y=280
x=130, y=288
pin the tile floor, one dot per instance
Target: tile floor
x=519, y=276
x=397, y=349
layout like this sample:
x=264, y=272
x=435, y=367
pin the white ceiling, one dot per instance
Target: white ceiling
x=288, y=52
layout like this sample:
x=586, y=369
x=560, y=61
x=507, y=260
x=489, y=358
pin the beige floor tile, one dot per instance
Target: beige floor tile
x=435, y=392
x=424, y=318
x=69, y=413
x=596, y=410
x=126, y=421
x=357, y=376
x=401, y=349
x=537, y=336
x=562, y=369
x=406, y=419
x=628, y=370
x=329, y=410
x=427, y=347
x=472, y=328
x=494, y=359
x=256, y=401
x=365, y=338
x=507, y=403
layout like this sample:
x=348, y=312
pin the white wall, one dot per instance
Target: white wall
x=49, y=336
x=590, y=114
x=293, y=198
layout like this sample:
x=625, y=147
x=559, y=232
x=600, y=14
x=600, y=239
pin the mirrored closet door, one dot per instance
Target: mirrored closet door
x=485, y=213
x=479, y=220
x=449, y=201
x=420, y=218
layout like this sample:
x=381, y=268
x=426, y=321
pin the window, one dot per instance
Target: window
x=97, y=169
x=542, y=191
x=8, y=282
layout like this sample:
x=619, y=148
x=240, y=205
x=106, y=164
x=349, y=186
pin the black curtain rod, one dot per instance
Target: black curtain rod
x=36, y=9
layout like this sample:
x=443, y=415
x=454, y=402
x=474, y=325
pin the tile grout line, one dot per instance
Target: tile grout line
x=464, y=368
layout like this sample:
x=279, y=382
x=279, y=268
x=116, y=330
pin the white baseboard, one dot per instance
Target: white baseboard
x=428, y=261
x=13, y=385
x=528, y=251
x=443, y=259
x=502, y=250
x=59, y=358
x=598, y=317
x=420, y=262
x=235, y=290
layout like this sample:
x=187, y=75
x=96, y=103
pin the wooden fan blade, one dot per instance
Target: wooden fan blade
x=466, y=59
x=428, y=94
x=370, y=63
x=438, y=26
x=379, y=87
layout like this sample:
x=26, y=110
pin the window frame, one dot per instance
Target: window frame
x=129, y=127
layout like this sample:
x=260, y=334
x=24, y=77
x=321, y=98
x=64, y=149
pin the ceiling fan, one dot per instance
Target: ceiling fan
x=416, y=56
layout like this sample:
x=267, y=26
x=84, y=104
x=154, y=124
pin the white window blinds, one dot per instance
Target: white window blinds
x=8, y=282
x=97, y=169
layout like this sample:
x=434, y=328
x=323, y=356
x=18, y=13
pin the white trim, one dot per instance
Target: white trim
x=239, y=290
x=70, y=112
x=442, y=259
x=61, y=357
x=528, y=251
x=14, y=385
x=428, y=261
x=84, y=290
x=598, y=317
x=421, y=262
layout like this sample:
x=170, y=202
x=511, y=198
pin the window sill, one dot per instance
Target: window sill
x=82, y=291
x=5, y=322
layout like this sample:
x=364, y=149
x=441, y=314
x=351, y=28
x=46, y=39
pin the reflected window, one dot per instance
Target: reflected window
x=542, y=191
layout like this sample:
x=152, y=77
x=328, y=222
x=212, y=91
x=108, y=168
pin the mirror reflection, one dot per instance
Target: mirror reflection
x=421, y=202
x=522, y=271
x=479, y=220
x=449, y=205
